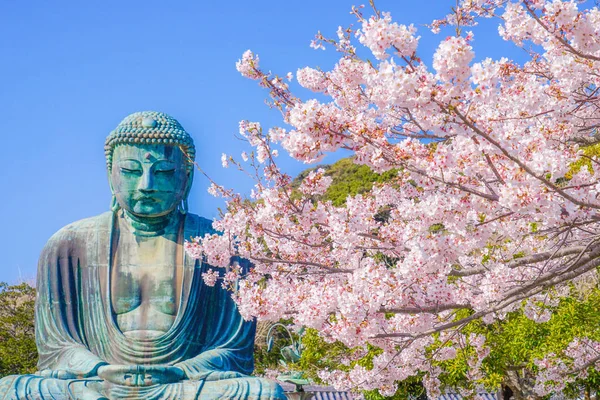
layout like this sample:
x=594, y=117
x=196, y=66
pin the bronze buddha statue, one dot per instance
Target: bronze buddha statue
x=122, y=311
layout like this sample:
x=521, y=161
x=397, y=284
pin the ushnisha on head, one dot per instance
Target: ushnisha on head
x=150, y=160
x=150, y=127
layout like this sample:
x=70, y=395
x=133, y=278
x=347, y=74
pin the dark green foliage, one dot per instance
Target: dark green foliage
x=319, y=354
x=349, y=179
x=517, y=342
x=18, y=353
x=263, y=357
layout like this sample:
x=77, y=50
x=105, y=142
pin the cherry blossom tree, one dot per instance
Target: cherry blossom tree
x=485, y=213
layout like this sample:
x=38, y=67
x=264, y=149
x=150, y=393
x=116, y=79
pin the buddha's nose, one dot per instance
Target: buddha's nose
x=147, y=183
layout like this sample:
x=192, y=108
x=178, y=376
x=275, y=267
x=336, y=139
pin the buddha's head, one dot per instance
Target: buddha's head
x=150, y=158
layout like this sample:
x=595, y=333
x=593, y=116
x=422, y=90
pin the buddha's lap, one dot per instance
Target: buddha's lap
x=24, y=387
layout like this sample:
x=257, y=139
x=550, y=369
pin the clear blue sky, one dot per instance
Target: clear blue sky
x=71, y=70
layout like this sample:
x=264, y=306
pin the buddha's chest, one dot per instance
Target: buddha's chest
x=146, y=283
x=138, y=285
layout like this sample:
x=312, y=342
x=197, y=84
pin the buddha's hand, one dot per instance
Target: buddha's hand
x=140, y=375
x=77, y=373
x=218, y=375
x=213, y=375
x=211, y=365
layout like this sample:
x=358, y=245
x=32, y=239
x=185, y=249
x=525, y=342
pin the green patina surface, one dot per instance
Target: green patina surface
x=122, y=311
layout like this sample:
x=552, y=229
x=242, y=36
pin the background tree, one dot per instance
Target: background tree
x=18, y=353
x=347, y=179
x=516, y=344
x=487, y=217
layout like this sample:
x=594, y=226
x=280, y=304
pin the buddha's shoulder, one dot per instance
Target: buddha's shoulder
x=101, y=225
x=83, y=227
x=198, y=224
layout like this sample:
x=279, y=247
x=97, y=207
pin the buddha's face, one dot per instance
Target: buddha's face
x=148, y=180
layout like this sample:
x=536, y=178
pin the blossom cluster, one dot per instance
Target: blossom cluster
x=485, y=208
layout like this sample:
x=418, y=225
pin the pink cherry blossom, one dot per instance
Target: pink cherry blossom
x=248, y=65
x=311, y=79
x=379, y=34
x=224, y=160
x=482, y=210
x=452, y=58
x=210, y=277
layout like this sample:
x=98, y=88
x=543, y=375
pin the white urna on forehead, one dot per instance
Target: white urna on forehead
x=150, y=128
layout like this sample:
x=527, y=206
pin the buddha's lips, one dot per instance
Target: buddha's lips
x=146, y=199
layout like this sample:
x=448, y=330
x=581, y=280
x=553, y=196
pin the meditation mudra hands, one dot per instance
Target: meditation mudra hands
x=141, y=375
x=148, y=375
x=144, y=375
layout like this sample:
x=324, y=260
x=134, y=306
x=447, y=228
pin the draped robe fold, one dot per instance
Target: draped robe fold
x=76, y=331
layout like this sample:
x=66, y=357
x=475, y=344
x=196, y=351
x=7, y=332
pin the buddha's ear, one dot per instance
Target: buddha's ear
x=188, y=187
x=110, y=184
x=114, y=204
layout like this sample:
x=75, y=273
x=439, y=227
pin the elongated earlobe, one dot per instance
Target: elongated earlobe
x=114, y=206
x=183, y=207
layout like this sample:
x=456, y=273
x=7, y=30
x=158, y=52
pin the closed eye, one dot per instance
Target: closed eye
x=166, y=171
x=130, y=171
